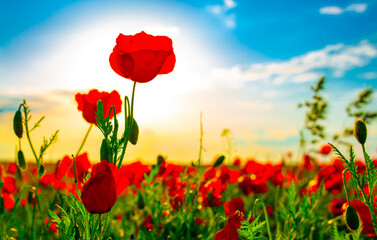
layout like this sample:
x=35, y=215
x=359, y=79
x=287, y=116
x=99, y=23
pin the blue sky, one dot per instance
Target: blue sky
x=245, y=64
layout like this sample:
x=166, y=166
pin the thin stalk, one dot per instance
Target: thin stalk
x=34, y=206
x=201, y=139
x=345, y=187
x=84, y=140
x=128, y=126
x=74, y=169
x=28, y=134
x=100, y=225
x=370, y=185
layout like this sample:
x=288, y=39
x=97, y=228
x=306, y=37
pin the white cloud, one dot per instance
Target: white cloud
x=338, y=59
x=230, y=21
x=331, y=10
x=230, y=4
x=368, y=75
x=215, y=9
x=222, y=11
x=359, y=8
x=335, y=10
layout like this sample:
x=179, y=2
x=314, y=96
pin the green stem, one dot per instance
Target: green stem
x=370, y=185
x=128, y=126
x=74, y=170
x=201, y=139
x=345, y=187
x=28, y=134
x=34, y=207
x=100, y=225
x=265, y=216
x=84, y=140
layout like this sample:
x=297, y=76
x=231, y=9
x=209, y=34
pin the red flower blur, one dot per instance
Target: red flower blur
x=335, y=206
x=99, y=193
x=325, y=149
x=229, y=232
x=12, y=168
x=234, y=205
x=87, y=103
x=141, y=57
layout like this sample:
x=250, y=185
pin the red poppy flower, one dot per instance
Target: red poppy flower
x=99, y=193
x=308, y=165
x=234, y=205
x=141, y=57
x=147, y=223
x=364, y=213
x=87, y=103
x=12, y=168
x=229, y=232
x=237, y=162
x=335, y=206
x=325, y=149
x=82, y=167
x=9, y=185
x=8, y=201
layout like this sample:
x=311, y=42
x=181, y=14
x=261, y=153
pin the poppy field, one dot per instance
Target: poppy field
x=233, y=198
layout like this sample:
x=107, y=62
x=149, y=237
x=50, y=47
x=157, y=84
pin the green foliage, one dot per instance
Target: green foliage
x=253, y=230
x=316, y=111
x=358, y=109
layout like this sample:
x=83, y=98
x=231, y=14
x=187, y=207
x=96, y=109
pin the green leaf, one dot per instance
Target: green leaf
x=54, y=217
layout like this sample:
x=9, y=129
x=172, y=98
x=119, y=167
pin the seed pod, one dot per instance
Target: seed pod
x=134, y=135
x=17, y=124
x=41, y=171
x=21, y=160
x=105, y=151
x=351, y=218
x=360, y=131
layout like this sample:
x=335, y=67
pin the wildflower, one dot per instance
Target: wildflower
x=141, y=57
x=325, y=149
x=229, y=232
x=335, y=206
x=87, y=103
x=234, y=205
x=99, y=193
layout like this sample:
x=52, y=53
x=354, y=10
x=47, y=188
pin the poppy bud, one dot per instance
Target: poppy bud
x=219, y=161
x=140, y=201
x=17, y=124
x=1, y=205
x=105, y=151
x=134, y=135
x=360, y=131
x=41, y=171
x=351, y=218
x=21, y=160
x=99, y=193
